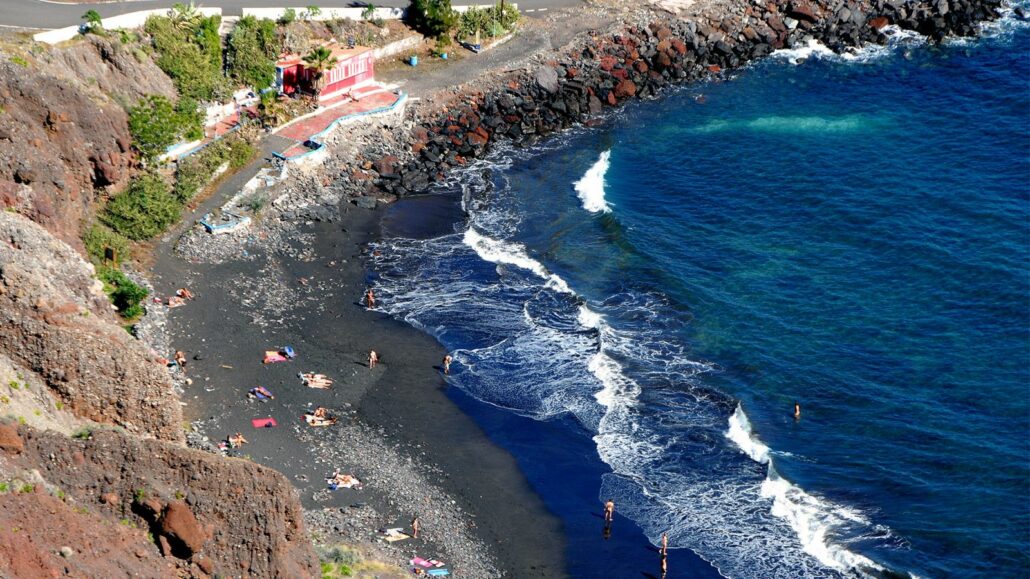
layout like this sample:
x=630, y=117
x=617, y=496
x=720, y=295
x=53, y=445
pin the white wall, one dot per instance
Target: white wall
x=122, y=21
x=326, y=14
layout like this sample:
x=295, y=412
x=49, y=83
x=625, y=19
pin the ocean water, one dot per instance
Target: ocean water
x=634, y=308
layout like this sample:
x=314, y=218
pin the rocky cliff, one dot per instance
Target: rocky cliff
x=100, y=495
x=57, y=325
x=63, y=132
x=121, y=496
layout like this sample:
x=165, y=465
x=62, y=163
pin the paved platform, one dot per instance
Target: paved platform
x=303, y=130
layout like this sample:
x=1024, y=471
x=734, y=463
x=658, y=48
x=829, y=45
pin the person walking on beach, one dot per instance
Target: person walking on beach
x=447, y=364
x=373, y=359
x=415, y=525
x=609, y=511
x=797, y=411
x=665, y=545
x=370, y=299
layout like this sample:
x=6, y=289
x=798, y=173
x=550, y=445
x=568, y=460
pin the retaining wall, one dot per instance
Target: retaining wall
x=120, y=22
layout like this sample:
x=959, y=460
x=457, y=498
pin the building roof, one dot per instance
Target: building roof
x=341, y=52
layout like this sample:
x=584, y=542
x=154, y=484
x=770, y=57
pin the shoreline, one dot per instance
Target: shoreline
x=398, y=433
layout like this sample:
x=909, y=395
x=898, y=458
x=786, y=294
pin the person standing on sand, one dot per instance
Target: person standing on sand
x=180, y=359
x=609, y=511
x=370, y=299
x=415, y=526
x=447, y=364
x=797, y=411
x=373, y=359
x=665, y=545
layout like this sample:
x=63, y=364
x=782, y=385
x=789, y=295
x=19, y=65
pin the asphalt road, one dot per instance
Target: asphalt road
x=46, y=14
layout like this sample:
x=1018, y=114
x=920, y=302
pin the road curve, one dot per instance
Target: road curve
x=46, y=14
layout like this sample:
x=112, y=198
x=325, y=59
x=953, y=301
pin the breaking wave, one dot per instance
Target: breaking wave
x=590, y=187
x=524, y=340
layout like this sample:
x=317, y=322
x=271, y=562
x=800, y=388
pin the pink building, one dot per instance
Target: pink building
x=354, y=68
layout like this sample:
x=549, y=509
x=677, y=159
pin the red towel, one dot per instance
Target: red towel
x=264, y=422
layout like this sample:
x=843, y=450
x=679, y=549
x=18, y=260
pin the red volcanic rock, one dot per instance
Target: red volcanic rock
x=625, y=89
x=179, y=525
x=879, y=22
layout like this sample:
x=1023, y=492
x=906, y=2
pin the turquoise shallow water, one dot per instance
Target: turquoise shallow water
x=653, y=296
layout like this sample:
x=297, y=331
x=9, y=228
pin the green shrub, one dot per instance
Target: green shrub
x=432, y=17
x=125, y=294
x=20, y=61
x=289, y=15
x=99, y=237
x=156, y=125
x=240, y=153
x=143, y=210
x=190, y=51
x=4, y=487
x=251, y=50
x=82, y=434
x=489, y=22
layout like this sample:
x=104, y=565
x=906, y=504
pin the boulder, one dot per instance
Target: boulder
x=547, y=78
x=625, y=89
x=182, y=530
x=9, y=440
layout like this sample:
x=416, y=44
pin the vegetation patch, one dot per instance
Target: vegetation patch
x=189, y=51
x=143, y=210
x=156, y=124
x=98, y=239
x=125, y=294
x=250, y=52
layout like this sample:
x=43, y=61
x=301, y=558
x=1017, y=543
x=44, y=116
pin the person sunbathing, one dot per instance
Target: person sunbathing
x=237, y=440
x=184, y=293
x=174, y=302
x=343, y=480
x=316, y=380
x=260, y=393
x=320, y=417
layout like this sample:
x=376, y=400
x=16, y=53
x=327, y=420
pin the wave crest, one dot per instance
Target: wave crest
x=590, y=187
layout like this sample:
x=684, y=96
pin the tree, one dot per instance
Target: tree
x=271, y=110
x=311, y=11
x=93, y=19
x=320, y=59
x=433, y=17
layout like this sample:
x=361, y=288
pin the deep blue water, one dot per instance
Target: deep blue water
x=851, y=234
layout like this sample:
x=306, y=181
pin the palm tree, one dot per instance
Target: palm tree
x=184, y=16
x=320, y=59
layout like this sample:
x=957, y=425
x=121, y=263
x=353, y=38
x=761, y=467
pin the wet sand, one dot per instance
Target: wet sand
x=305, y=292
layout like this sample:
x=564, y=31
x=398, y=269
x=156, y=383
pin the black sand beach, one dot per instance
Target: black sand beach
x=416, y=453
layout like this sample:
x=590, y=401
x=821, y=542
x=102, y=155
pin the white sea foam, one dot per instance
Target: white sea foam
x=511, y=253
x=591, y=186
x=615, y=367
x=791, y=124
x=813, y=520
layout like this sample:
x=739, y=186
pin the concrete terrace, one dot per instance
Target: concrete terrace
x=300, y=131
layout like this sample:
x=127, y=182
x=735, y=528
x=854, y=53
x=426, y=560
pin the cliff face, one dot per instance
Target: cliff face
x=62, y=132
x=56, y=323
x=207, y=515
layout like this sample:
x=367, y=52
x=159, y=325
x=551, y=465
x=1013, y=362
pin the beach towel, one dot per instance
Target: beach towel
x=273, y=357
x=264, y=422
x=438, y=572
x=396, y=537
x=420, y=562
